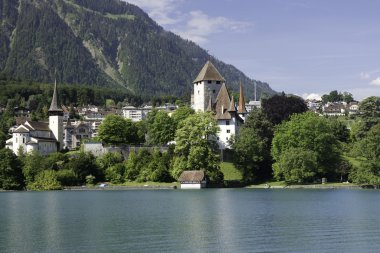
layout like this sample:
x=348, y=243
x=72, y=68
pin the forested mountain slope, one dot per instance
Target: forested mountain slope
x=102, y=43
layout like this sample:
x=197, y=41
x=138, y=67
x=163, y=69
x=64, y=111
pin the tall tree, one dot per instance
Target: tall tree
x=11, y=177
x=162, y=130
x=117, y=130
x=308, y=132
x=252, y=147
x=196, y=147
x=280, y=107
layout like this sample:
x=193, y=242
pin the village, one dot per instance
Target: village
x=210, y=96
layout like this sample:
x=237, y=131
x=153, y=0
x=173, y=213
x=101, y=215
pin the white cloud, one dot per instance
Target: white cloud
x=195, y=25
x=164, y=12
x=376, y=82
x=200, y=26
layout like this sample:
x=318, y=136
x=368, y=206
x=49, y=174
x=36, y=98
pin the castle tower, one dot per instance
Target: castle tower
x=206, y=86
x=242, y=111
x=56, y=118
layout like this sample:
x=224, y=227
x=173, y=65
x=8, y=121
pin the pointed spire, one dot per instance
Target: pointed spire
x=232, y=105
x=241, y=108
x=54, y=102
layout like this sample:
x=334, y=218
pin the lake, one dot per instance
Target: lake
x=210, y=220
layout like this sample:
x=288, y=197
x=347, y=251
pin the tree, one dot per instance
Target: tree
x=296, y=165
x=11, y=177
x=84, y=164
x=196, y=147
x=115, y=173
x=369, y=115
x=370, y=107
x=131, y=170
x=252, y=147
x=311, y=133
x=280, y=107
x=33, y=163
x=162, y=130
x=180, y=114
x=117, y=130
x=46, y=180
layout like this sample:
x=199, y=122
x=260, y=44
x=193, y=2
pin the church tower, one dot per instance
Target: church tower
x=56, y=118
x=206, y=87
x=242, y=111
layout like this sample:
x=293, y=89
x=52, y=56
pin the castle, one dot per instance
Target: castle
x=43, y=137
x=211, y=94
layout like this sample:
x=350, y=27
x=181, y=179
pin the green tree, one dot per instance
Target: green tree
x=115, y=173
x=252, y=147
x=84, y=164
x=33, y=164
x=370, y=107
x=309, y=132
x=280, y=107
x=196, y=147
x=296, y=165
x=46, y=180
x=117, y=130
x=67, y=177
x=131, y=169
x=162, y=130
x=180, y=114
x=11, y=177
x=108, y=160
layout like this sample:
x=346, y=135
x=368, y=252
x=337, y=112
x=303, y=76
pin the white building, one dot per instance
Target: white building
x=133, y=113
x=211, y=94
x=43, y=137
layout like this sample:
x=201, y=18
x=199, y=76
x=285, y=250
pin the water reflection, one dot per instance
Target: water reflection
x=212, y=220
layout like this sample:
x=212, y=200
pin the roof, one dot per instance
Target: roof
x=195, y=176
x=222, y=104
x=209, y=73
x=241, y=107
x=21, y=129
x=42, y=139
x=54, y=102
x=38, y=126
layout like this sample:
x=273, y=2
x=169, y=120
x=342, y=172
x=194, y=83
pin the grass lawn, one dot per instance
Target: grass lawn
x=230, y=172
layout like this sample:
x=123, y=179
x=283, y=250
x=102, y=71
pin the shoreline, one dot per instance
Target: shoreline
x=316, y=186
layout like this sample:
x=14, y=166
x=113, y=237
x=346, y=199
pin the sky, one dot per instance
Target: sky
x=303, y=47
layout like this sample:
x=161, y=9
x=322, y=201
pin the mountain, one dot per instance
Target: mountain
x=102, y=43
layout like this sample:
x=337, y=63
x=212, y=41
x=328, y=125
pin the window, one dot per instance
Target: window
x=82, y=130
x=227, y=122
x=228, y=131
x=213, y=91
x=23, y=140
x=208, y=81
x=198, y=92
x=217, y=82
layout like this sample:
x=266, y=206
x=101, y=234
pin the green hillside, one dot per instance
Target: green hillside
x=102, y=43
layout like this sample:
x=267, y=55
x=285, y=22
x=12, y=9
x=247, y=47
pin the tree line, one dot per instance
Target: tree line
x=283, y=141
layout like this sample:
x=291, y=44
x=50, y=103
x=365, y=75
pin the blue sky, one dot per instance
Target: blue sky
x=298, y=46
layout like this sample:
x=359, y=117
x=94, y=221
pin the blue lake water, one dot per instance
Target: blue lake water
x=210, y=220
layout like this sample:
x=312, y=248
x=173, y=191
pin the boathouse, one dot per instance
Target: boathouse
x=192, y=179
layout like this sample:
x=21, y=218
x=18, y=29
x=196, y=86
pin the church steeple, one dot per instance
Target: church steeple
x=54, y=108
x=241, y=107
x=56, y=118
